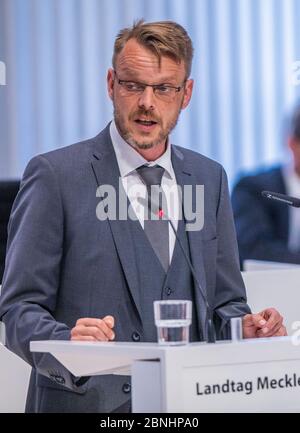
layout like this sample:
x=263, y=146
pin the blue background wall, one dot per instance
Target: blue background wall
x=57, y=53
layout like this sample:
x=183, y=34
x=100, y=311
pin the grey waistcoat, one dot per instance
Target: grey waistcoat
x=155, y=284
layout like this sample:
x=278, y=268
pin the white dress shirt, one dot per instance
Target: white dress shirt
x=129, y=160
x=292, y=183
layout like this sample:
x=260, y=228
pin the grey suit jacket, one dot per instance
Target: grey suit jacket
x=63, y=264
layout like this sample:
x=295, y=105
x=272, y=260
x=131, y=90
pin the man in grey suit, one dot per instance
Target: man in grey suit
x=73, y=275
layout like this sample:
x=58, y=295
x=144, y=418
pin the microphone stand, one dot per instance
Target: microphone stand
x=211, y=334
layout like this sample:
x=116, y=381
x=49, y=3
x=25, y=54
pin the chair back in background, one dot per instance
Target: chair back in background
x=8, y=192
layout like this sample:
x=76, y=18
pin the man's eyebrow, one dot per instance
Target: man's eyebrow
x=132, y=77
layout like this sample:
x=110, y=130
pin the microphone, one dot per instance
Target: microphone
x=157, y=212
x=291, y=201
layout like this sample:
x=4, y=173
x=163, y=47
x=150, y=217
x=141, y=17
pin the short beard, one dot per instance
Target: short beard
x=127, y=136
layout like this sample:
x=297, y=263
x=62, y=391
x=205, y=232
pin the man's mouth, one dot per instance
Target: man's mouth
x=145, y=122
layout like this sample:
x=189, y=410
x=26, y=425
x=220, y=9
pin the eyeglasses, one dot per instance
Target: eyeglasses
x=165, y=92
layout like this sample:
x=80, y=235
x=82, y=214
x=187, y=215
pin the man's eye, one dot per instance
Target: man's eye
x=133, y=87
x=163, y=89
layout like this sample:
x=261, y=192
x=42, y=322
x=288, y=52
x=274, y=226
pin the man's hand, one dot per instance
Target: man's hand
x=267, y=323
x=89, y=329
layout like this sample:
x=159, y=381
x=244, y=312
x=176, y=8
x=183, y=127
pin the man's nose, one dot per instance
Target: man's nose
x=147, y=99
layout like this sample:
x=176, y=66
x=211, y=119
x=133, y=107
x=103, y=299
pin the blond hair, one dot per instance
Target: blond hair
x=163, y=38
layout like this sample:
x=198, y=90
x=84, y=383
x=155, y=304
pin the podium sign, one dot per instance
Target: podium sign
x=259, y=375
x=267, y=387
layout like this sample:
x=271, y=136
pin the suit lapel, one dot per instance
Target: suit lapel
x=185, y=176
x=106, y=172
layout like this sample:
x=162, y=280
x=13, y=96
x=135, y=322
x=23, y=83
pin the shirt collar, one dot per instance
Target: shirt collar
x=129, y=159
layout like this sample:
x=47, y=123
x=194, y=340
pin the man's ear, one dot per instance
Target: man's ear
x=188, y=90
x=110, y=83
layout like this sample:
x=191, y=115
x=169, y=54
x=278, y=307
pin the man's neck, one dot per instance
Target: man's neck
x=154, y=153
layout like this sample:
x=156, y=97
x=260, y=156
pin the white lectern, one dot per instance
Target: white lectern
x=259, y=375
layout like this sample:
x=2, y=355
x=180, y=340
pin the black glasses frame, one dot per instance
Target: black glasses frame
x=154, y=86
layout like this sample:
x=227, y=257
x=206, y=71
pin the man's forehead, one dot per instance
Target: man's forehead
x=162, y=76
x=135, y=59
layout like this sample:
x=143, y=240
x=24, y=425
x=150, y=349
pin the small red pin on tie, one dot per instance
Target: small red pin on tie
x=161, y=213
